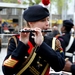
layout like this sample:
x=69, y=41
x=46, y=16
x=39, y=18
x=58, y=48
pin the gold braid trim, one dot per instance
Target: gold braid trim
x=27, y=65
x=45, y=69
x=10, y=62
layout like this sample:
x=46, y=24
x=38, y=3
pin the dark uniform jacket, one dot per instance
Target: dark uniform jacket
x=73, y=69
x=65, y=41
x=16, y=56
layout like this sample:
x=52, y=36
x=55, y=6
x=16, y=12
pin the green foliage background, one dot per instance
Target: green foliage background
x=59, y=4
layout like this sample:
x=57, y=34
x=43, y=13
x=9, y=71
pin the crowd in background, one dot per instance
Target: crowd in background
x=8, y=28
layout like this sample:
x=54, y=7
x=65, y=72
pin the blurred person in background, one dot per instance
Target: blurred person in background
x=68, y=44
x=5, y=28
x=67, y=40
x=54, y=32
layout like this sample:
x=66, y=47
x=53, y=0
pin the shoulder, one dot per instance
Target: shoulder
x=60, y=37
x=14, y=38
x=48, y=40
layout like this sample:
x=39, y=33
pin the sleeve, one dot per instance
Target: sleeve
x=62, y=43
x=61, y=53
x=49, y=41
x=13, y=57
x=73, y=69
x=58, y=48
x=54, y=58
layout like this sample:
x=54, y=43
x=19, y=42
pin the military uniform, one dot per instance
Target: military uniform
x=67, y=40
x=64, y=42
x=29, y=59
x=45, y=55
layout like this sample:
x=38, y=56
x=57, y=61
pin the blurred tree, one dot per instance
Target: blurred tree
x=59, y=4
x=10, y=1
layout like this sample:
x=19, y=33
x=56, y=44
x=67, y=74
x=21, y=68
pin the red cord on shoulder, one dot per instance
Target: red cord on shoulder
x=29, y=43
x=30, y=47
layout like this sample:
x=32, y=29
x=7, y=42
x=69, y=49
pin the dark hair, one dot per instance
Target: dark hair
x=68, y=24
x=67, y=29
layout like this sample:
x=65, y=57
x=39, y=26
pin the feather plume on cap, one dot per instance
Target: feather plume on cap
x=46, y=2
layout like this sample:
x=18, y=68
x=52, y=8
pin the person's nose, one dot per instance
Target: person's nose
x=47, y=23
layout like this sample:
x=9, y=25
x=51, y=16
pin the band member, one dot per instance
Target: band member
x=67, y=40
x=32, y=55
x=68, y=43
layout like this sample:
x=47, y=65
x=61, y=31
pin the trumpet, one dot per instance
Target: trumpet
x=34, y=31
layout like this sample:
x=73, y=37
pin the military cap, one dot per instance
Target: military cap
x=35, y=13
x=68, y=23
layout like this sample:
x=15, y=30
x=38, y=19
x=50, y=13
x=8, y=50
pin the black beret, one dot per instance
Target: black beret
x=35, y=13
x=68, y=23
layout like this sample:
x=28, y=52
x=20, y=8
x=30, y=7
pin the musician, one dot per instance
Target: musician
x=67, y=40
x=68, y=43
x=33, y=56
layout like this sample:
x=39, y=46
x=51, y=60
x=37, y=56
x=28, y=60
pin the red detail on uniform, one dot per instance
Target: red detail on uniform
x=47, y=72
x=57, y=36
x=45, y=2
x=29, y=51
x=30, y=47
x=29, y=43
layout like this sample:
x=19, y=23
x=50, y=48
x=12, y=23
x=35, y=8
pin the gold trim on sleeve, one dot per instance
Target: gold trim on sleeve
x=10, y=62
